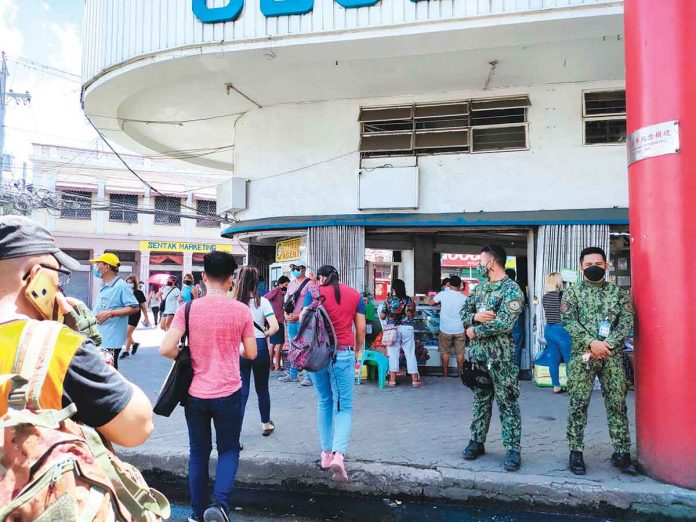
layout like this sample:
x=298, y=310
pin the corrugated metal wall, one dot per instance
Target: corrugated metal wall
x=118, y=30
x=559, y=247
x=341, y=246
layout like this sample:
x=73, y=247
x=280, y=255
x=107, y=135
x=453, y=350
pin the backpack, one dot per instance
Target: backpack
x=54, y=468
x=315, y=343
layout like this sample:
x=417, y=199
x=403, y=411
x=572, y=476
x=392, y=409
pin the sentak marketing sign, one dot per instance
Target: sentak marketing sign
x=182, y=246
x=231, y=11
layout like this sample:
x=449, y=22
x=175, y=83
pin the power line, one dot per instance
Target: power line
x=165, y=122
x=31, y=64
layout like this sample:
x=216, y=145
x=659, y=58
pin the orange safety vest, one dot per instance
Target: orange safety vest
x=67, y=343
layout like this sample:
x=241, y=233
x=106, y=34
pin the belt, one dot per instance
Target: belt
x=344, y=348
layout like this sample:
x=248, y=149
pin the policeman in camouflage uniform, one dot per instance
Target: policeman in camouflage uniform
x=599, y=317
x=489, y=315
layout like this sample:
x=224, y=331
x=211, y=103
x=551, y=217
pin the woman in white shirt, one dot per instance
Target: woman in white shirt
x=246, y=291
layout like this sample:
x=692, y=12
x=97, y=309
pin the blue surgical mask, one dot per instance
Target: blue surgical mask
x=95, y=272
x=296, y=273
x=131, y=285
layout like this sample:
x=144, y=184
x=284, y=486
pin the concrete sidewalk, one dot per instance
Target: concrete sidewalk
x=409, y=442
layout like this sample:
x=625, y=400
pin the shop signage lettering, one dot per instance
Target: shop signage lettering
x=470, y=261
x=182, y=246
x=288, y=250
x=269, y=8
x=653, y=140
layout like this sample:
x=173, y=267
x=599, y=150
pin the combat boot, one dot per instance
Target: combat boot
x=576, y=463
x=474, y=450
x=624, y=463
x=513, y=459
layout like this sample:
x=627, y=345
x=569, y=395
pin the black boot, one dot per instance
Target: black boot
x=474, y=450
x=513, y=459
x=576, y=463
x=624, y=463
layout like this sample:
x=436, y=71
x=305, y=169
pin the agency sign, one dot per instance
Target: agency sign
x=231, y=11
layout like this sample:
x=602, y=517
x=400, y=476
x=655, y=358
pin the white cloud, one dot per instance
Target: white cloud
x=12, y=38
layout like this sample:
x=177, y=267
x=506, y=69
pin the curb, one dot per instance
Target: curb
x=446, y=484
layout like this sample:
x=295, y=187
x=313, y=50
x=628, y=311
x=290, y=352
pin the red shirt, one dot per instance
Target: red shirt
x=343, y=314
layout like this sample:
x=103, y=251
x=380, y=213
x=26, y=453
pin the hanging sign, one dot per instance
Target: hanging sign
x=288, y=250
x=182, y=246
x=653, y=140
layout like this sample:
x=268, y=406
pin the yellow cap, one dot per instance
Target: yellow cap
x=107, y=258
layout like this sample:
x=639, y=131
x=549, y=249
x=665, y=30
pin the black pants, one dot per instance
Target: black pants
x=115, y=352
x=155, y=314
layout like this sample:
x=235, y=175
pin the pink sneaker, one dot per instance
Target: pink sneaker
x=326, y=458
x=338, y=468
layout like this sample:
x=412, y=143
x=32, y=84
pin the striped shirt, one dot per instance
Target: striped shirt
x=552, y=307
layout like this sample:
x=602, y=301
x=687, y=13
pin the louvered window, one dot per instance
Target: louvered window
x=604, y=117
x=169, y=205
x=457, y=127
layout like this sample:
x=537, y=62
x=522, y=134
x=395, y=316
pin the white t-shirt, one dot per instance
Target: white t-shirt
x=452, y=303
x=260, y=314
x=170, y=295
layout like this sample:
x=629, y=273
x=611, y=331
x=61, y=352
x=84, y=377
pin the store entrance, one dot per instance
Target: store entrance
x=424, y=257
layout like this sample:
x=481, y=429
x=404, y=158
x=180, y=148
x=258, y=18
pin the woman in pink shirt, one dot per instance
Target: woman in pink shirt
x=217, y=326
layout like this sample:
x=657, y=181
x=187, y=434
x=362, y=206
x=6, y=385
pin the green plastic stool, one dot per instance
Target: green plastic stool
x=381, y=362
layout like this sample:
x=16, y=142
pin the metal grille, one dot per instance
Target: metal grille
x=207, y=208
x=76, y=204
x=342, y=247
x=117, y=213
x=558, y=248
x=167, y=204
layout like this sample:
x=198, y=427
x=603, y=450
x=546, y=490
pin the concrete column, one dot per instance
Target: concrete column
x=101, y=214
x=188, y=263
x=95, y=283
x=407, y=270
x=144, y=266
x=147, y=219
x=424, y=265
x=189, y=224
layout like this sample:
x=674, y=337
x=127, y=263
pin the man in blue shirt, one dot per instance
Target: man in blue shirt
x=116, y=302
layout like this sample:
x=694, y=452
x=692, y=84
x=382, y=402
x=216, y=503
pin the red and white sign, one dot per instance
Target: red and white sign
x=460, y=260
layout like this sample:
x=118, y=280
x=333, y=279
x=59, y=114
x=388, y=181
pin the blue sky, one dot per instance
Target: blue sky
x=48, y=32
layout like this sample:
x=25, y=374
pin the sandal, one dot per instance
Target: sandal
x=558, y=390
x=391, y=384
x=418, y=384
x=268, y=428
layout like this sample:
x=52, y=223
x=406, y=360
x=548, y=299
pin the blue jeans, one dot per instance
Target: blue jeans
x=334, y=387
x=293, y=330
x=225, y=414
x=558, y=343
x=261, y=366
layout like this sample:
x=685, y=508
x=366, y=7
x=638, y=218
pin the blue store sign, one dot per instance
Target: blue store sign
x=230, y=12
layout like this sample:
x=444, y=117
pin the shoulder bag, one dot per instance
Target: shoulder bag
x=291, y=302
x=175, y=388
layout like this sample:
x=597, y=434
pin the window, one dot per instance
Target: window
x=76, y=204
x=208, y=208
x=604, y=115
x=458, y=127
x=117, y=211
x=167, y=204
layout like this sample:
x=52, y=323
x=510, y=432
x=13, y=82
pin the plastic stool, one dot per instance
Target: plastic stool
x=372, y=358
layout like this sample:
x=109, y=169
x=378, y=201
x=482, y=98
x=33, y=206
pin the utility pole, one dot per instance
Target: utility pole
x=5, y=96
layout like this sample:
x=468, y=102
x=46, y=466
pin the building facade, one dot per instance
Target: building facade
x=417, y=129
x=102, y=207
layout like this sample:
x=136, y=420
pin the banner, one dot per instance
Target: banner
x=183, y=246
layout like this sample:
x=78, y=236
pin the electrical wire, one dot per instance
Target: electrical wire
x=60, y=73
x=304, y=167
x=165, y=122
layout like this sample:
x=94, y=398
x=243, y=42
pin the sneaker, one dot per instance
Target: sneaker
x=338, y=468
x=306, y=382
x=216, y=513
x=124, y=355
x=287, y=378
x=513, y=460
x=326, y=459
x=474, y=450
x=135, y=348
x=576, y=463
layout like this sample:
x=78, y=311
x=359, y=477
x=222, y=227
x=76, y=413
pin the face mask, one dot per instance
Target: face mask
x=132, y=286
x=95, y=272
x=594, y=273
x=482, y=271
x=284, y=289
x=188, y=282
x=296, y=273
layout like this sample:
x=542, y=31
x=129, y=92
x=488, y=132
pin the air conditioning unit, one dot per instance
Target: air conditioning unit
x=232, y=195
x=388, y=188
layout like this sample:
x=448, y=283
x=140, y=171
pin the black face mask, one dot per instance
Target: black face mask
x=594, y=273
x=284, y=289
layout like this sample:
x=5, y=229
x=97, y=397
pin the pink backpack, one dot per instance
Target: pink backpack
x=315, y=343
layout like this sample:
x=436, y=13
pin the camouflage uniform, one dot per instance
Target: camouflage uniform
x=494, y=347
x=583, y=307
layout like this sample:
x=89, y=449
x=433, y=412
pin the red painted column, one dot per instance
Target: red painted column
x=661, y=86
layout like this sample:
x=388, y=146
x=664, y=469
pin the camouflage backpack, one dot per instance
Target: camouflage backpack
x=315, y=343
x=54, y=469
